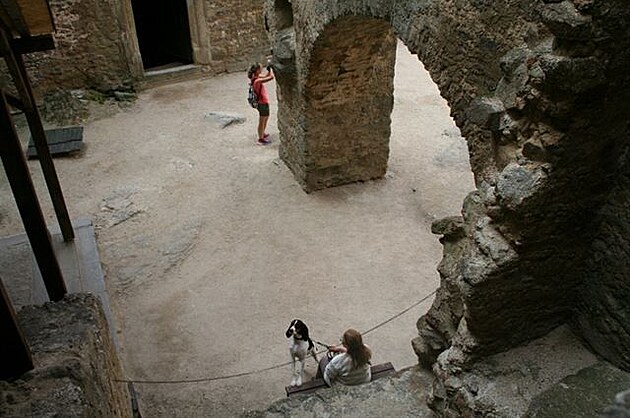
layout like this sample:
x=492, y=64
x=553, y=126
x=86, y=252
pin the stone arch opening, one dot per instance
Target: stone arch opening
x=536, y=90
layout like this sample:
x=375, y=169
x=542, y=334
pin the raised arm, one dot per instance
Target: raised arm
x=267, y=77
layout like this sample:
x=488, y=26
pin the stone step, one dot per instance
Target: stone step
x=156, y=78
x=587, y=393
x=402, y=394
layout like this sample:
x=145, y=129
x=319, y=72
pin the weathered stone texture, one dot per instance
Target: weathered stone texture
x=555, y=176
x=504, y=384
x=349, y=100
x=90, y=49
x=453, y=41
x=401, y=395
x=540, y=91
x=236, y=34
x=621, y=407
x=589, y=393
x=75, y=364
x=603, y=311
x=96, y=45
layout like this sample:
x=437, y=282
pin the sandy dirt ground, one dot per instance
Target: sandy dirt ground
x=210, y=247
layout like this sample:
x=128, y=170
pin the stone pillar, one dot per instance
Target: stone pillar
x=342, y=133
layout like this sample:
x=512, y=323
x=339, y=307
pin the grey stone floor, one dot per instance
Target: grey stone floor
x=402, y=395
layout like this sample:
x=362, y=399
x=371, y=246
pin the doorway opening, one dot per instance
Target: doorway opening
x=163, y=32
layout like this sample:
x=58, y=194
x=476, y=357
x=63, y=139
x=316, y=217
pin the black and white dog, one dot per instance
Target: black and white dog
x=300, y=345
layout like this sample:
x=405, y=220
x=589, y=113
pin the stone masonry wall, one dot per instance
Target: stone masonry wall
x=96, y=46
x=236, y=32
x=460, y=45
x=540, y=90
x=557, y=125
x=350, y=100
x=91, y=50
x=75, y=364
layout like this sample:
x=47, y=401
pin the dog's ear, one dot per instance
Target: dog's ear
x=304, y=332
x=289, y=332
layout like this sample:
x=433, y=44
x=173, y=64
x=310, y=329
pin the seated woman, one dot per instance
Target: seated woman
x=350, y=364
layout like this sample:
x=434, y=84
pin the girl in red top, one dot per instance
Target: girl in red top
x=258, y=80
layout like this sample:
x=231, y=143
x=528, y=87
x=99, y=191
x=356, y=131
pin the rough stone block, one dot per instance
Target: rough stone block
x=565, y=21
x=516, y=183
x=585, y=394
x=284, y=51
x=503, y=385
x=574, y=75
x=486, y=112
x=451, y=227
x=401, y=395
x=621, y=408
x=76, y=366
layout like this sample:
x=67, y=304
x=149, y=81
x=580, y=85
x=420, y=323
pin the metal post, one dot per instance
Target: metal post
x=14, y=352
x=28, y=205
x=22, y=84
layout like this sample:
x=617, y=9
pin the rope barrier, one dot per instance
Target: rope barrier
x=266, y=369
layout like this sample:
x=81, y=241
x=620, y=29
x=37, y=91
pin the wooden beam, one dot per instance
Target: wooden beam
x=32, y=44
x=14, y=351
x=5, y=18
x=37, y=16
x=26, y=199
x=17, y=69
x=14, y=102
x=27, y=17
x=12, y=11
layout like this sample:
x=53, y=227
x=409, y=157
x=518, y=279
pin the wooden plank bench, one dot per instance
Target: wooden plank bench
x=378, y=371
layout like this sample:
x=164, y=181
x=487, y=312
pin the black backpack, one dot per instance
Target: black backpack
x=252, y=97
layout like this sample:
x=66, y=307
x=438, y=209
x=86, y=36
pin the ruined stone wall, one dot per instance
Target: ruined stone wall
x=91, y=40
x=96, y=45
x=459, y=44
x=76, y=366
x=538, y=90
x=556, y=124
x=236, y=33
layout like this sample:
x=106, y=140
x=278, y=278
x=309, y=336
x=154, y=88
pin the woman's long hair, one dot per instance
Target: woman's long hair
x=359, y=353
x=252, y=70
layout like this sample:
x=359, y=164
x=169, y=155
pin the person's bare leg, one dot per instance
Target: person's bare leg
x=262, y=125
x=265, y=125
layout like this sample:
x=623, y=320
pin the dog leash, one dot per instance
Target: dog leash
x=326, y=346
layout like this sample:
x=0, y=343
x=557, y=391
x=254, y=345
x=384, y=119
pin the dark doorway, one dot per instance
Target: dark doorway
x=163, y=32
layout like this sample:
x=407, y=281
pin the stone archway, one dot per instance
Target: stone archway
x=539, y=90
